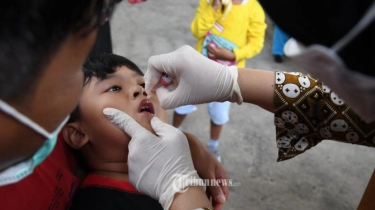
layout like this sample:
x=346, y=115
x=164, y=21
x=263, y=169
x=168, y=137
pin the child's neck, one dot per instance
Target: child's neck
x=112, y=174
x=236, y=2
x=108, y=168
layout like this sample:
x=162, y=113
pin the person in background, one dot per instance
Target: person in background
x=279, y=40
x=228, y=32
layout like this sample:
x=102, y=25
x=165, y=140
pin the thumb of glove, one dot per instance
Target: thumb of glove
x=154, y=72
x=167, y=97
x=123, y=121
x=163, y=130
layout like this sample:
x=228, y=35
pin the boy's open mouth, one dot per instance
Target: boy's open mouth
x=146, y=106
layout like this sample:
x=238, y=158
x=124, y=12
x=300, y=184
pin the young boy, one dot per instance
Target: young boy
x=109, y=81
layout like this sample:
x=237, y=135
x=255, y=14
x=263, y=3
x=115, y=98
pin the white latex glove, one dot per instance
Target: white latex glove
x=200, y=80
x=159, y=165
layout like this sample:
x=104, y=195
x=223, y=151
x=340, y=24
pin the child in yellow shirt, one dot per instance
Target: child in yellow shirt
x=228, y=32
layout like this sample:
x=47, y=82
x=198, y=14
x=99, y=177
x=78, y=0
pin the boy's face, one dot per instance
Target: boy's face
x=122, y=90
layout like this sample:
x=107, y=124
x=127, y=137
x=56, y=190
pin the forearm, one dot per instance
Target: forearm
x=208, y=168
x=251, y=49
x=194, y=193
x=257, y=87
x=196, y=148
x=193, y=198
x=308, y=112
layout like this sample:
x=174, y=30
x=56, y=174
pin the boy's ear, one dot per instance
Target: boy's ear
x=73, y=135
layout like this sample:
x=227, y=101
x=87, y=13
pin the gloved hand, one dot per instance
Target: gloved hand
x=159, y=165
x=200, y=80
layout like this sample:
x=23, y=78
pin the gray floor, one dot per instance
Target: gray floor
x=330, y=176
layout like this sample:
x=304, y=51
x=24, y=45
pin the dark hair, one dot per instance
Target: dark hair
x=100, y=66
x=31, y=32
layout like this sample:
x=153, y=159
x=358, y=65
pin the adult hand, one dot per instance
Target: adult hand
x=159, y=165
x=200, y=80
x=220, y=53
x=208, y=167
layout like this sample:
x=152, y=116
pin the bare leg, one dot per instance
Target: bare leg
x=215, y=131
x=178, y=119
x=215, y=135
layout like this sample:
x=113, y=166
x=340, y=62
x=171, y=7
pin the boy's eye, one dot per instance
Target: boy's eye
x=143, y=85
x=114, y=88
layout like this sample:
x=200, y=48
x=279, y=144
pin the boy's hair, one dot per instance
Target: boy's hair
x=100, y=66
x=31, y=32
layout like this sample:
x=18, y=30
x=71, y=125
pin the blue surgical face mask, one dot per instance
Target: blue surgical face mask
x=22, y=169
x=356, y=89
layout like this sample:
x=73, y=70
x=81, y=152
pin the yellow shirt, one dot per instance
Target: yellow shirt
x=244, y=26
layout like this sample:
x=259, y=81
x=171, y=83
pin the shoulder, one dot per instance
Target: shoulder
x=252, y=4
x=109, y=198
x=255, y=9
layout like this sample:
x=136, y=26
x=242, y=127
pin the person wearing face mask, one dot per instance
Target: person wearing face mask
x=36, y=56
x=42, y=49
x=335, y=102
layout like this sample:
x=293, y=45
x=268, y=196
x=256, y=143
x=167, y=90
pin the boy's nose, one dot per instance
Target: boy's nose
x=139, y=91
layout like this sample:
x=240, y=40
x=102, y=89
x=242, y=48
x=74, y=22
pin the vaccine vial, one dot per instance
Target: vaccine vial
x=166, y=80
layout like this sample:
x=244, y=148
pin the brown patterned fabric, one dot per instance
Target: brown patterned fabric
x=307, y=112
